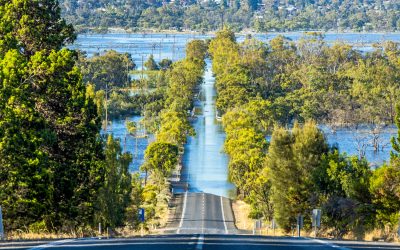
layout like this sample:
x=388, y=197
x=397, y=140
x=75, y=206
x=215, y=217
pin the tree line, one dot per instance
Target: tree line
x=280, y=91
x=169, y=121
x=259, y=15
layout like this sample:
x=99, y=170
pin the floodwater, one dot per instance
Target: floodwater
x=133, y=145
x=360, y=142
x=205, y=164
x=172, y=46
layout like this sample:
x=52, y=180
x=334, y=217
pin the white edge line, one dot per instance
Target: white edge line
x=200, y=242
x=223, y=216
x=328, y=244
x=51, y=244
x=183, y=213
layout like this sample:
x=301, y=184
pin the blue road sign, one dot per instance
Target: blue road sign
x=141, y=214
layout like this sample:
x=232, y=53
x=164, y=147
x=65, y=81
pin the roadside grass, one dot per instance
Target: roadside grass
x=241, y=211
x=21, y=235
x=243, y=223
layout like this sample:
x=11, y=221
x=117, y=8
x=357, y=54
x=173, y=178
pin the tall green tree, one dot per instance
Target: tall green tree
x=292, y=158
x=25, y=183
x=47, y=121
x=31, y=26
x=115, y=194
x=161, y=157
x=151, y=64
x=385, y=187
x=110, y=69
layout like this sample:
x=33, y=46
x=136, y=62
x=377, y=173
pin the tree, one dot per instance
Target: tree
x=161, y=157
x=196, y=50
x=49, y=124
x=131, y=126
x=165, y=64
x=25, y=183
x=110, y=69
x=291, y=160
x=345, y=194
x=115, y=193
x=151, y=64
x=385, y=187
x=32, y=26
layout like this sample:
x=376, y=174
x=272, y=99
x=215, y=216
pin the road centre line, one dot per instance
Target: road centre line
x=200, y=242
x=203, y=214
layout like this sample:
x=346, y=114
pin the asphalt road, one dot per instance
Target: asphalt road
x=203, y=213
x=205, y=242
x=202, y=222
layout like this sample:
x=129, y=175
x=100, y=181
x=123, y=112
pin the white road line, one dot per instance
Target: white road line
x=223, y=216
x=203, y=214
x=200, y=242
x=329, y=244
x=183, y=213
x=51, y=244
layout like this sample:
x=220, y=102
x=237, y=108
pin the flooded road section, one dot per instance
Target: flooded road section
x=205, y=164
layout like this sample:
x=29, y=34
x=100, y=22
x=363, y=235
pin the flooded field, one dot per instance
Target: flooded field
x=205, y=163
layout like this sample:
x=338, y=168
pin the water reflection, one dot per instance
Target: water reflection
x=361, y=141
x=136, y=146
x=205, y=165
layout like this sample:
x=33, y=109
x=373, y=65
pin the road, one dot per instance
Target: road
x=203, y=213
x=206, y=242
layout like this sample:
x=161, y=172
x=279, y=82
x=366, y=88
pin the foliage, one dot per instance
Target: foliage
x=169, y=120
x=109, y=70
x=261, y=85
x=385, y=188
x=343, y=183
x=131, y=127
x=151, y=64
x=162, y=157
x=335, y=84
x=32, y=26
x=165, y=64
x=115, y=194
x=52, y=165
x=292, y=158
x=267, y=15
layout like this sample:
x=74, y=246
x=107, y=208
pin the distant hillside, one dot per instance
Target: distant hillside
x=260, y=15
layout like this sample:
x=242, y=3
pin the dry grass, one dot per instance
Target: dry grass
x=241, y=211
x=39, y=236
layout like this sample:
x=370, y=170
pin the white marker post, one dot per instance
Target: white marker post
x=273, y=226
x=316, y=220
x=1, y=225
